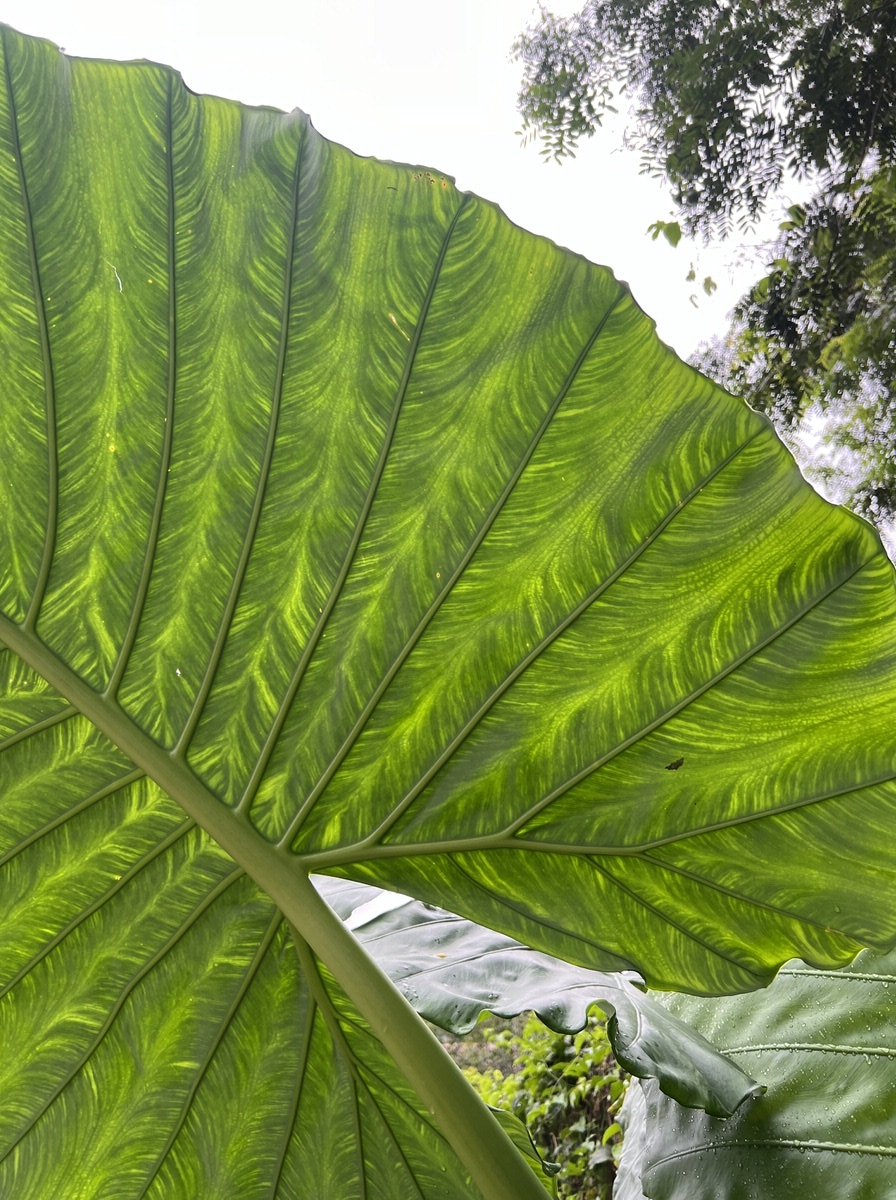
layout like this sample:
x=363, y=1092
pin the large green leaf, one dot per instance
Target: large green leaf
x=209, y=1055
x=822, y=1042
x=347, y=527
x=452, y=971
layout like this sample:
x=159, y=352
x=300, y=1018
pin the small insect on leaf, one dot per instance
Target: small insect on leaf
x=673, y=766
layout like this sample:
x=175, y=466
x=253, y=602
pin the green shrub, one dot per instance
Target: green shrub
x=566, y=1087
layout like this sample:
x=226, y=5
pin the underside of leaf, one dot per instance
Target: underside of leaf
x=347, y=527
x=452, y=971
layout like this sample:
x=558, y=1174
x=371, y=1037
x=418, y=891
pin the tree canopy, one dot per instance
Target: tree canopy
x=729, y=100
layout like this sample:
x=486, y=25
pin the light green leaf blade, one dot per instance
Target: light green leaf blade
x=165, y=1033
x=378, y=537
x=822, y=1042
x=397, y=529
x=452, y=971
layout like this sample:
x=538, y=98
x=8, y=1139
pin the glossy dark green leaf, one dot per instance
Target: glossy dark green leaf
x=452, y=971
x=822, y=1043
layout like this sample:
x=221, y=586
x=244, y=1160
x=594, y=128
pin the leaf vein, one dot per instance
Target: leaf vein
x=263, y=473
x=152, y=536
x=123, y=996
x=680, y=705
x=49, y=547
x=560, y=628
x=202, y=1068
x=424, y=622
x=94, y=907
x=317, y=633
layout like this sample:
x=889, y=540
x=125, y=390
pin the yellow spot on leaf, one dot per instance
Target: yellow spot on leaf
x=397, y=326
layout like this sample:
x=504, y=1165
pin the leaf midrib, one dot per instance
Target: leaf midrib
x=801, y=1144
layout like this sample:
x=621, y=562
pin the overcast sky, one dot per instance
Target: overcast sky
x=422, y=83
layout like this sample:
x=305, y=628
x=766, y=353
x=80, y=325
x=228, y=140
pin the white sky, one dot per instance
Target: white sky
x=419, y=82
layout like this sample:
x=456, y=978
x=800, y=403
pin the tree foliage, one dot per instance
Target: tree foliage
x=817, y=332
x=727, y=98
x=729, y=101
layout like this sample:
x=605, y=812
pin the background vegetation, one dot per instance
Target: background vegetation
x=566, y=1086
x=729, y=103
